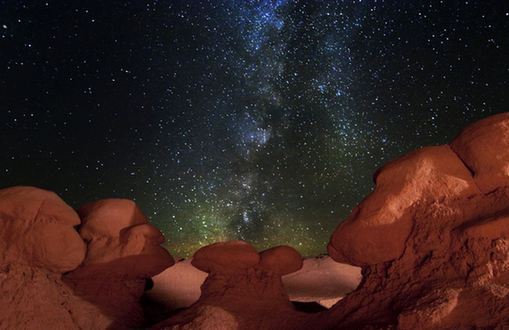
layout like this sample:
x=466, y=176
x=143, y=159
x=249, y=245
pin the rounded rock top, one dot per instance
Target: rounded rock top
x=225, y=257
x=281, y=259
x=37, y=229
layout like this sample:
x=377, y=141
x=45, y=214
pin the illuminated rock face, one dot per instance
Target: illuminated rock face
x=224, y=257
x=433, y=239
x=377, y=228
x=105, y=268
x=37, y=229
x=484, y=147
x=245, y=286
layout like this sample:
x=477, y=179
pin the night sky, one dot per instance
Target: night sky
x=254, y=120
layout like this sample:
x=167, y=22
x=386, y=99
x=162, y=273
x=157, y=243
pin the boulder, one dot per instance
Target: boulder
x=245, y=286
x=121, y=241
x=224, y=257
x=37, y=229
x=444, y=260
x=423, y=176
x=281, y=260
x=123, y=253
x=484, y=147
x=38, y=243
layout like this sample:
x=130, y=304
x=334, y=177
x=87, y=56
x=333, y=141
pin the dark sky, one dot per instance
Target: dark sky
x=256, y=120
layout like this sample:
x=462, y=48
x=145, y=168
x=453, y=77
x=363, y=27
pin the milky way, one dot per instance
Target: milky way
x=254, y=120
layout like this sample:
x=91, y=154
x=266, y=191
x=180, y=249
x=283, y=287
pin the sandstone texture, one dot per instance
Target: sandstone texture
x=54, y=277
x=282, y=260
x=37, y=229
x=244, y=285
x=432, y=240
x=434, y=244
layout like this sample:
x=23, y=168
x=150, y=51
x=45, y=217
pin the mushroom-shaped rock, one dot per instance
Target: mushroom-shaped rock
x=377, y=229
x=107, y=217
x=120, y=240
x=224, y=257
x=37, y=229
x=484, y=147
x=123, y=252
x=281, y=260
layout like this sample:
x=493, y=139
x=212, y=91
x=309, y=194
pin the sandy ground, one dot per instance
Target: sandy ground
x=320, y=280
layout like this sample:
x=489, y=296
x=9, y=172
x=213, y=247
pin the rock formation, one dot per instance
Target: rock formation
x=104, y=276
x=243, y=289
x=37, y=244
x=320, y=280
x=31, y=219
x=123, y=252
x=433, y=240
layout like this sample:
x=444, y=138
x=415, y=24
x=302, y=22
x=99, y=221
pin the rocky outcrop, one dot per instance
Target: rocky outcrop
x=320, y=280
x=245, y=287
x=484, y=148
x=123, y=252
x=30, y=221
x=426, y=175
x=37, y=244
x=225, y=257
x=53, y=278
x=433, y=240
x=281, y=260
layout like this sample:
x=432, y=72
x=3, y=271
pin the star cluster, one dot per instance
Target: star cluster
x=256, y=120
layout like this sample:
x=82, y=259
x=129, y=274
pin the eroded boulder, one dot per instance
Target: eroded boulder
x=281, y=259
x=225, y=257
x=377, y=228
x=484, y=147
x=37, y=229
x=449, y=265
x=245, y=286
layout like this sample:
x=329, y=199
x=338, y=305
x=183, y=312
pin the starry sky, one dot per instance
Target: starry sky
x=256, y=120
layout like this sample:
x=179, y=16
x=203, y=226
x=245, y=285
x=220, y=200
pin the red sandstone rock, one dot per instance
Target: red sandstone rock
x=484, y=147
x=225, y=257
x=245, y=287
x=248, y=298
x=34, y=298
x=120, y=240
x=281, y=260
x=376, y=230
x=123, y=251
x=38, y=242
x=453, y=273
x=36, y=229
x=451, y=269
